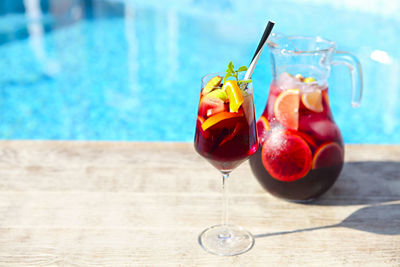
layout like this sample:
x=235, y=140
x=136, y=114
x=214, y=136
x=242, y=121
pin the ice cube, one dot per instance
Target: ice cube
x=287, y=81
x=309, y=87
x=324, y=130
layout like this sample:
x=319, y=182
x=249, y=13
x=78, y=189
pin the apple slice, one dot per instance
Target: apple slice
x=211, y=84
x=209, y=106
x=218, y=93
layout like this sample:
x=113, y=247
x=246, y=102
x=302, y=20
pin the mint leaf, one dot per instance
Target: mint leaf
x=231, y=72
x=242, y=68
x=230, y=66
x=227, y=75
x=236, y=75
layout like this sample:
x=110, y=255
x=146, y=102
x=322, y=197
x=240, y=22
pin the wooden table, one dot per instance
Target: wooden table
x=144, y=204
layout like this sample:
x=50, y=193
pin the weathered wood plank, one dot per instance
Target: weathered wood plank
x=143, y=204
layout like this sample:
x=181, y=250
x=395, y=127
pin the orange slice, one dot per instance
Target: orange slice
x=328, y=154
x=217, y=118
x=306, y=138
x=262, y=128
x=286, y=157
x=200, y=121
x=235, y=131
x=234, y=94
x=262, y=122
x=211, y=84
x=286, y=108
x=313, y=101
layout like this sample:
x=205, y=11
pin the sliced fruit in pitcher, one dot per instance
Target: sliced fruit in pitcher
x=313, y=101
x=211, y=84
x=286, y=108
x=262, y=123
x=299, y=76
x=328, y=154
x=220, y=119
x=262, y=128
x=234, y=94
x=287, y=157
x=309, y=80
x=310, y=141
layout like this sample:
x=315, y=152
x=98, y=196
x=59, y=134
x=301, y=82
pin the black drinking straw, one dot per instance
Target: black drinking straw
x=264, y=37
x=260, y=46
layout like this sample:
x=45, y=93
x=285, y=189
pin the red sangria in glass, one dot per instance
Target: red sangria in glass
x=226, y=136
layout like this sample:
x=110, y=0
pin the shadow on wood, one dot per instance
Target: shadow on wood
x=378, y=219
x=364, y=182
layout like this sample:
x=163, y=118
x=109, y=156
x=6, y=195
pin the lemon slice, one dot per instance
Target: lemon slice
x=234, y=94
x=313, y=101
x=309, y=80
x=286, y=108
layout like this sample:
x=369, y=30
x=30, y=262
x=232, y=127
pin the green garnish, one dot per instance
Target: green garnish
x=231, y=72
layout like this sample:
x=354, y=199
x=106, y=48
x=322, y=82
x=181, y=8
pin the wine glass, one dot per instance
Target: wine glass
x=226, y=136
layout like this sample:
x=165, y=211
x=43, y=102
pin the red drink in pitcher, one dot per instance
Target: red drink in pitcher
x=301, y=151
x=301, y=148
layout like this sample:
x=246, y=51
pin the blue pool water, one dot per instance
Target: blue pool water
x=131, y=70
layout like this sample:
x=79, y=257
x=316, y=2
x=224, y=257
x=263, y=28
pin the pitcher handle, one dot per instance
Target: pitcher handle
x=351, y=61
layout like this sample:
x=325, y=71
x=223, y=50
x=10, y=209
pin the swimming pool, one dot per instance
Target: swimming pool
x=130, y=70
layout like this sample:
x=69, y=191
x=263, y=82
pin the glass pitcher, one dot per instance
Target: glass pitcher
x=301, y=152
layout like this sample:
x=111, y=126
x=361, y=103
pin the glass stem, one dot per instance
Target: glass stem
x=225, y=200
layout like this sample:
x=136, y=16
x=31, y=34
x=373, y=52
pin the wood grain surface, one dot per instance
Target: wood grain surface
x=144, y=204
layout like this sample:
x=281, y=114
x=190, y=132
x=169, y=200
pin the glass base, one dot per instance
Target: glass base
x=226, y=240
